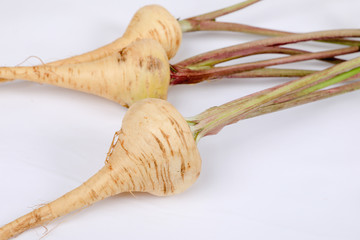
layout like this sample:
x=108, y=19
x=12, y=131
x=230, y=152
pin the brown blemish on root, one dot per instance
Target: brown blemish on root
x=131, y=178
x=167, y=169
x=156, y=168
x=37, y=217
x=154, y=33
x=128, y=87
x=143, y=164
x=122, y=55
x=179, y=131
x=144, y=157
x=93, y=194
x=146, y=172
x=165, y=188
x=182, y=169
x=171, y=121
x=162, y=25
x=165, y=175
x=153, y=64
x=162, y=148
x=141, y=62
x=47, y=75
x=167, y=140
x=36, y=71
x=164, y=29
x=171, y=184
x=116, y=180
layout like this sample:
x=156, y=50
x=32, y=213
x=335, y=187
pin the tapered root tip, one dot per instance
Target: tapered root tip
x=36, y=218
x=94, y=189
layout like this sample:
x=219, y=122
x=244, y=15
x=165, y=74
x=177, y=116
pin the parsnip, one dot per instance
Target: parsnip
x=154, y=152
x=140, y=70
x=151, y=21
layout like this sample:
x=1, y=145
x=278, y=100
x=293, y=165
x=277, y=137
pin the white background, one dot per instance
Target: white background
x=287, y=175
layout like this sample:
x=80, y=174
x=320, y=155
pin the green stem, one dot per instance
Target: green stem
x=311, y=97
x=258, y=45
x=218, y=13
x=195, y=74
x=214, y=119
x=272, y=72
x=207, y=22
x=203, y=25
x=193, y=25
x=320, y=84
x=334, y=80
x=285, y=98
x=272, y=50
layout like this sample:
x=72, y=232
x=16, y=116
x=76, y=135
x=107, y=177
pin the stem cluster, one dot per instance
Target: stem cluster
x=308, y=88
x=300, y=91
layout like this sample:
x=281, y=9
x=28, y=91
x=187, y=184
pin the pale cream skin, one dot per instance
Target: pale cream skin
x=151, y=21
x=153, y=152
x=140, y=70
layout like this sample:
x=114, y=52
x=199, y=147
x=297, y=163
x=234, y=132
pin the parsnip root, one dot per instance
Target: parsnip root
x=140, y=70
x=154, y=152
